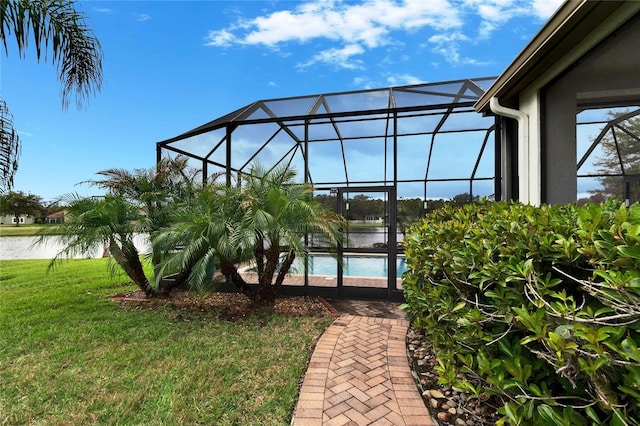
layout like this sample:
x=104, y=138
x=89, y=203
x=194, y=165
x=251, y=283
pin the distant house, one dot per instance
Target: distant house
x=373, y=219
x=11, y=220
x=57, y=217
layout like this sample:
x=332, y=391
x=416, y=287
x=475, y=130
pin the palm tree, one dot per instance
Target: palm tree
x=156, y=193
x=110, y=222
x=137, y=202
x=264, y=220
x=75, y=51
x=189, y=247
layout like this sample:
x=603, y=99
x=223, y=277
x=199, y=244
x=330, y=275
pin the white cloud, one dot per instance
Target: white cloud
x=545, y=8
x=448, y=45
x=495, y=13
x=353, y=28
x=485, y=29
x=342, y=58
x=491, y=15
x=404, y=80
x=102, y=10
x=363, y=82
x=367, y=23
x=490, y=12
x=221, y=38
x=143, y=17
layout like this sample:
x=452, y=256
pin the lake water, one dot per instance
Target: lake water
x=364, y=237
x=24, y=248
x=12, y=248
x=367, y=236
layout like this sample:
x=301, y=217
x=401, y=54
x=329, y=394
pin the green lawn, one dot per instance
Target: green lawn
x=19, y=231
x=68, y=355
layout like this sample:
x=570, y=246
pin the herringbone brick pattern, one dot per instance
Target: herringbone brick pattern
x=359, y=375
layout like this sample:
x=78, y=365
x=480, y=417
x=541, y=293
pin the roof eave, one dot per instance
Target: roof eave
x=568, y=20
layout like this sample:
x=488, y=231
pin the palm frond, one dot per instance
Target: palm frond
x=56, y=26
x=9, y=148
x=202, y=271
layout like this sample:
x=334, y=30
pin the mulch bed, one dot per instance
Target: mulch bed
x=230, y=305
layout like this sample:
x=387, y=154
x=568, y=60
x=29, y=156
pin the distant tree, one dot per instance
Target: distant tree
x=75, y=51
x=329, y=201
x=409, y=211
x=620, y=147
x=597, y=198
x=465, y=198
x=362, y=206
x=50, y=209
x=435, y=204
x=18, y=203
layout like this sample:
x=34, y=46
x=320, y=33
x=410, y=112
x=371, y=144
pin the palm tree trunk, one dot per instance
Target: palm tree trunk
x=272, y=256
x=231, y=273
x=284, y=268
x=258, y=252
x=266, y=296
x=128, y=258
x=267, y=290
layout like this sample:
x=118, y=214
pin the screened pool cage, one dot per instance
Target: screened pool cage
x=420, y=143
x=608, y=145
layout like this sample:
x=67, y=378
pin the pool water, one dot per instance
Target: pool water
x=353, y=266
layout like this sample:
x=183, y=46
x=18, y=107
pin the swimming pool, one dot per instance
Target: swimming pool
x=353, y=266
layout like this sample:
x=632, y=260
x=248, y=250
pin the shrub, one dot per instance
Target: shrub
x=539, y=306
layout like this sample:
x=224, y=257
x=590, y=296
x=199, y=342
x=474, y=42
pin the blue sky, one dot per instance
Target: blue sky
x=170, y=66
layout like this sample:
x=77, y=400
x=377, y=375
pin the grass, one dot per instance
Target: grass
x=69, y=355
x=353, y=225
x=19, y=231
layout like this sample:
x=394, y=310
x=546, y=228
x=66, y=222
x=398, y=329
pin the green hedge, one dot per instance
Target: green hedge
x=539, y=306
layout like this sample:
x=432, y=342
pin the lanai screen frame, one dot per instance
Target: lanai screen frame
x=421, y=118
x=442, y=100
x=614, y=127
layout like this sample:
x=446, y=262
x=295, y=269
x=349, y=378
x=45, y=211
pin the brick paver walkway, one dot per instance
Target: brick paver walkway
x=359, y=375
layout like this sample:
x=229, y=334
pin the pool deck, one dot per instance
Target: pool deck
x=328, y=281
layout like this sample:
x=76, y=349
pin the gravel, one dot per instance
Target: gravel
x=448, y=406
